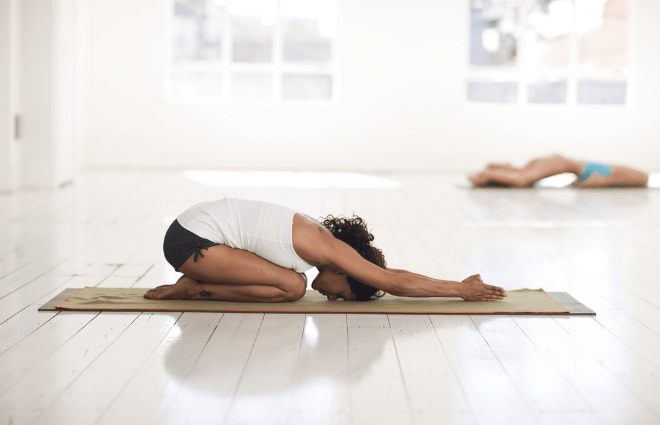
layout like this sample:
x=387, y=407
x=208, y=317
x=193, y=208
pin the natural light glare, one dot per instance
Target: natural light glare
x=558, y=181
x=588, y=15
x=490, y=39
x=557, y=21
x=302, y=179
x=654, y=180
x=324, y=11
x=542, y=224
x=268, y=20
x=168, y=219
x=311, y=275
x=252, y=7
x=175, y=332
x=311, y=333
x=566, y=179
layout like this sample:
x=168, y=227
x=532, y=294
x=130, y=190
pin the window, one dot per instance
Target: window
x=266, y=50
x=564, y=52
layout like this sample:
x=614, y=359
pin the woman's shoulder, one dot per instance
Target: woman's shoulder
x=310, y=239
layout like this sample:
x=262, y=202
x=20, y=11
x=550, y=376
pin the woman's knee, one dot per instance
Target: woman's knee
x=296, y=288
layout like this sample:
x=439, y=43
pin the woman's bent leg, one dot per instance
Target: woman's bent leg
x=230, y=274
x=188, y=288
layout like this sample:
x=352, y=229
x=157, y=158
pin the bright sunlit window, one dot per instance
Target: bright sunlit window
x=254, y=50
x=565, y=52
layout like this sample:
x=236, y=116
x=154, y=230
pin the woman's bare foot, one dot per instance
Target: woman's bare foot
x=179, y=291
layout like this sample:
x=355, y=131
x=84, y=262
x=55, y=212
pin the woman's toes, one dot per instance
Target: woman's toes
x=152, y=294
x=157, y=293
x=180, y=291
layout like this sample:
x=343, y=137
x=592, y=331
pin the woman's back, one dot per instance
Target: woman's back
x=259, y=227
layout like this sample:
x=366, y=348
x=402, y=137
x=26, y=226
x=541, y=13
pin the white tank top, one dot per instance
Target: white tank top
x=259, y=227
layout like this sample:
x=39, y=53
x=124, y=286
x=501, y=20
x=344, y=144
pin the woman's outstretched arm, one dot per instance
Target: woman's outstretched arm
x=317, y=246
x=403, y=283
x=470, y=289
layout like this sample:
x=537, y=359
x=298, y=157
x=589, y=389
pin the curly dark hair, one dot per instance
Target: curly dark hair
x=355, y=233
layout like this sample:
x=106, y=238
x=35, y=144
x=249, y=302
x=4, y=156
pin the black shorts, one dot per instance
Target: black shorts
x=180, y=244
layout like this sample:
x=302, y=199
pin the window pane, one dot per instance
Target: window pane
x=197, y=85
x=549, y=26
x=603, y=27
x=306, y=87
x=308, y=29
x=197, y=30
x=506, y=92
x=493, y=28
x=251, y=86
x=547, y=92
x=253, y=25
x=601, y=92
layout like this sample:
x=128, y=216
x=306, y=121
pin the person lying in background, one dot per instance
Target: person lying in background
x=589, y=174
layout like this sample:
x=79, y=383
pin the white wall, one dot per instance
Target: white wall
x=400, y=85
x=47, y=93
x=36, y=92
x=37, y=83
x=9, y=101
x=64, y=91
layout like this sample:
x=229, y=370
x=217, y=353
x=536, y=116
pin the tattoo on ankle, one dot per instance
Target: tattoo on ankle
x=206, y=294
x=320, y=229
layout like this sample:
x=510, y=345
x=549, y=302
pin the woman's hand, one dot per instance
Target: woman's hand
x=474, y=289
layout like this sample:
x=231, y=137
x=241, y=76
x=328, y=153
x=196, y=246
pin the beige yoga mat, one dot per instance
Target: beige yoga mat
x=523, y=301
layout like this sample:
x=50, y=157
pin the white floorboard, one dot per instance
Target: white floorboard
x=193, y=368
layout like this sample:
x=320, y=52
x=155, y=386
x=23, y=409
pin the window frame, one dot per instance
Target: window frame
x=571, y=73
x=277, y=68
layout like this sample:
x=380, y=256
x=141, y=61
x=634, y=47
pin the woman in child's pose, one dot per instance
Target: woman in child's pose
x=252, y=251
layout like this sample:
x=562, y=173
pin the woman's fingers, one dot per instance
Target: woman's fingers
x=496, y=289
x=490, y=298
x=477, y=290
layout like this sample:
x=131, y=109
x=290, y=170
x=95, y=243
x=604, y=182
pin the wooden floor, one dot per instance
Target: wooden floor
x=70, y=368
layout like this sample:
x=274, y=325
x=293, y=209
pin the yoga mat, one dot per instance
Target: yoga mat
x=562, y=181
x=523, y=301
